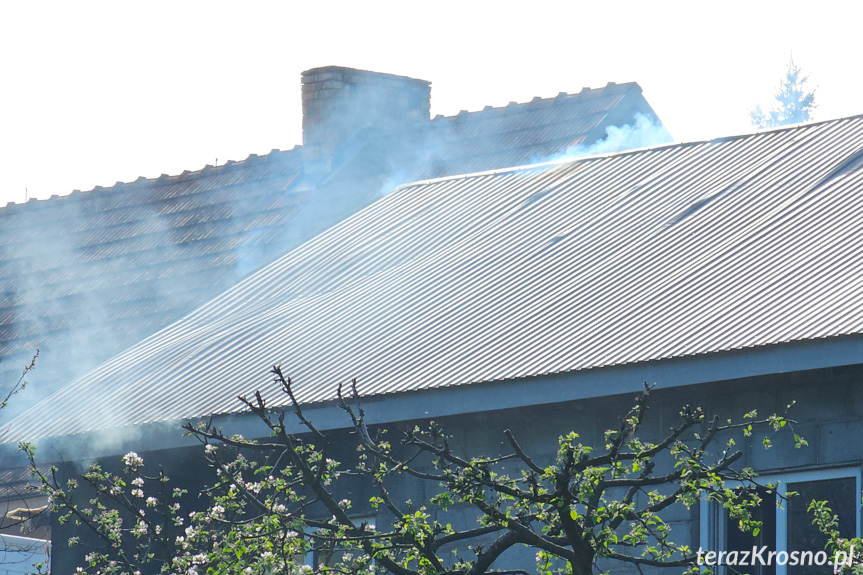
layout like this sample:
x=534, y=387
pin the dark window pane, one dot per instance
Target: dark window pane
x=739, y=541
x=840, y=495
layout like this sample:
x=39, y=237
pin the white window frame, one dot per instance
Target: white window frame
x=19, y=554
x=709, y=538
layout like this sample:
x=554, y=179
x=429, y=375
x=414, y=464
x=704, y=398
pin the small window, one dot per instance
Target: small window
x=20, y=554
x=736, y=540
x=786, y=527
x=841, y=496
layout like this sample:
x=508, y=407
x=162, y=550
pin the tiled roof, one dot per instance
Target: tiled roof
x=676, y=251
x=88, y=275
x=89, y=272
x=520, y=134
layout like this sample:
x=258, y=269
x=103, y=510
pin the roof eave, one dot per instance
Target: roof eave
x=484, y=397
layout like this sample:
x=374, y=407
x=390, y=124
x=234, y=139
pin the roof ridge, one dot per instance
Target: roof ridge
x=514, y=106
x=252, y=158
x=593, y=157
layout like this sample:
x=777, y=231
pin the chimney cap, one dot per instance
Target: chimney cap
x=370, y=73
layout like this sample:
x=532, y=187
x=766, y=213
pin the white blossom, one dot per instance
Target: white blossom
x=140, y=528
x=199, y=559
x=132, y=459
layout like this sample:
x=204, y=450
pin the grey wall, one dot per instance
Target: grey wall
x=829, y=412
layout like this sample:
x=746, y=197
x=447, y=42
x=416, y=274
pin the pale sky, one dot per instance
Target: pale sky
x=95, y=93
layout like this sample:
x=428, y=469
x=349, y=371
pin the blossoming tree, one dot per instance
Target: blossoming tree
x=277, y=505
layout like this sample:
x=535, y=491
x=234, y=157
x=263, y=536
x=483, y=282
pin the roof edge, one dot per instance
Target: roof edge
x=481, y=397
x=719, y=139
x=514, y=106
x=164, y=178
x=334, y=68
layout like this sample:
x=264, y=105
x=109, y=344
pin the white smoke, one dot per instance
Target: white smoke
x=642, y=133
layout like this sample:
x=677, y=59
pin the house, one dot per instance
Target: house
x=538, y=299
x=85, y=276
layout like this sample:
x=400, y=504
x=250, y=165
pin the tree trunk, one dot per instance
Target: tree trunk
x=582, y=563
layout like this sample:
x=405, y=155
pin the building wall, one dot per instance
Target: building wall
x=829, y=414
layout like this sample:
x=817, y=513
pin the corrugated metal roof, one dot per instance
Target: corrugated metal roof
x=87, y=275
x=675, y=251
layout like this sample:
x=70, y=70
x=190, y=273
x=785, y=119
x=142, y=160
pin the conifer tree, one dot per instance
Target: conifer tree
x=794, y=102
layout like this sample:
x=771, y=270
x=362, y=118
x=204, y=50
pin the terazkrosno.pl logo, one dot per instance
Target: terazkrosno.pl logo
x=764, y=556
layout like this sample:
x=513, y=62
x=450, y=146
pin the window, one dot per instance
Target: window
x=842, y=497
x=787, y=527
x=19, y=554
x=736, y=540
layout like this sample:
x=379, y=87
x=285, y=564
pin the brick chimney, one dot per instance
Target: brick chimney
x=340, y=104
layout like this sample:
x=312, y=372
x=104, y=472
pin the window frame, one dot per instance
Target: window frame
x=21, y=553
x=711, y=516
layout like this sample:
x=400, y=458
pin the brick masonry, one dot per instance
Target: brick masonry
x=339, y=103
